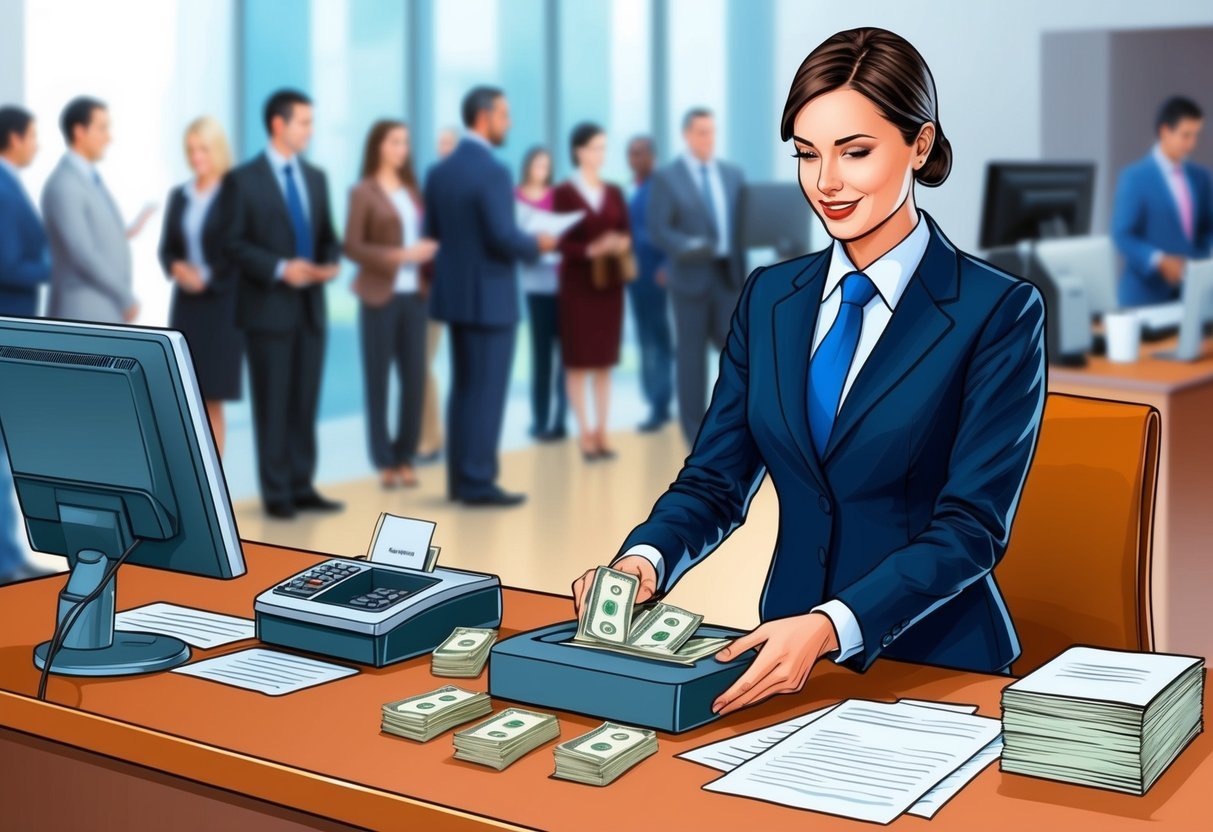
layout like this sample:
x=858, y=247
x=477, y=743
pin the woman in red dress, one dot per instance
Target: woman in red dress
x=591, y=285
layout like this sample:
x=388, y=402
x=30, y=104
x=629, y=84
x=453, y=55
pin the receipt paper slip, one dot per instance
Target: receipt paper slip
x=402, y=541
x=195, y=627
x=266, y=671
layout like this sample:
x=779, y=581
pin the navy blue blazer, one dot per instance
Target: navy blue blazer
x=469, y=210
x=1145, y=219
x=24, y=256
x=910, y=508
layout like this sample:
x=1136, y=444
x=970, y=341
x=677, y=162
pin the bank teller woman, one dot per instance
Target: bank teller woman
x=204, y=295
x=890, y=385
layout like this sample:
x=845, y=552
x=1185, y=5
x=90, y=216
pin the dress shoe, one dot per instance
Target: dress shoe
x=554, y=435
x=280, y=511
x=495, y=499
x=430, y=458
x=652, y=424
x=314, y=502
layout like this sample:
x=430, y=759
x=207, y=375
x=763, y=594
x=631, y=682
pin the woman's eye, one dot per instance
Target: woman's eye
x=804, y=154
x=857, y=152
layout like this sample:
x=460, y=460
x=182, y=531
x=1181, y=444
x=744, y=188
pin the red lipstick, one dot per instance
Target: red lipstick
x=838, y=210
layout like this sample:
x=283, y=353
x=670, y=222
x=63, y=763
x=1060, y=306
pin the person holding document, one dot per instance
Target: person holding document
x=891, y=386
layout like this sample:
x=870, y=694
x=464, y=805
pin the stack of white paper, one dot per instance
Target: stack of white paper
x=1105, y=718
x=865, y=760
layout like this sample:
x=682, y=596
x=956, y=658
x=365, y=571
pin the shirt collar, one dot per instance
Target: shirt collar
x=696, y=165
x=277, y=160
x=1165, y=163
x=83, y=165
x=890, y=273
x=472, y=135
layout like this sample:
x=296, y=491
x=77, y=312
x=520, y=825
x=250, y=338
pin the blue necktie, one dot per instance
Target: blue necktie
x=711, y=203
x=294, y=205
x=832, y=361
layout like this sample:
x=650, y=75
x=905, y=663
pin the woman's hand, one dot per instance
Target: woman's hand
x=187, y=277
x=636, y=565
x=789, y=649
x=422, y=251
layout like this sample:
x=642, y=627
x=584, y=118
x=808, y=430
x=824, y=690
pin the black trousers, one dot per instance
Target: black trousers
x=481, y=359
x=284, y=376
x=699, y=321
x=396, y=333
x=547, y=373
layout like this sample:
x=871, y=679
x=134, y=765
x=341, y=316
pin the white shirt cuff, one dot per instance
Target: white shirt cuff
x=1155, y=259
x=850, y=639
x=650, y=554
x=280, y=271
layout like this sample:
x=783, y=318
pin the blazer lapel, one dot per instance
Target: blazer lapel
x=917, y=325
x=270, y=185
x=793, y=320
x=688, y=181
x=1168, y=197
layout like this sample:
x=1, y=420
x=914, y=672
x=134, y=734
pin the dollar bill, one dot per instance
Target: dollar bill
x=433, y=703
x=426, y=715
x=665, y=628
x=463, y=653
x=608, y=612
x=505, y=737
x=691, y=652
x=602, y=755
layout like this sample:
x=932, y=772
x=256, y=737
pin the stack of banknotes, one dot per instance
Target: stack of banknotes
x=503, y=738
x=427, y=715
x=612, y=621
x=602, y=755
x=464, y=652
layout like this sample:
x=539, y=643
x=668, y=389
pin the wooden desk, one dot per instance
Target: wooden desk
x=1183, y=517
x=172, y=751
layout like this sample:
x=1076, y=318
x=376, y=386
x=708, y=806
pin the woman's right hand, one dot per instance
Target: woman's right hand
x=636, y=565
x=422, y=251
x=187, y=277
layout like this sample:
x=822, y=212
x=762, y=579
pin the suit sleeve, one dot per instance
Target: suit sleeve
x=170, y=249
x=429, y=216
x=234, y=245
x=712, y=493
x=501, y=232
x=357, y=247
x=989, y=461
x=677, y=245
x=75, y=234
x=1128, y=220
x=16, y=270
x=328, y=244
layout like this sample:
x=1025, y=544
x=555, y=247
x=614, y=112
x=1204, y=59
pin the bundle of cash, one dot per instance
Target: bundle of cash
x=504, y=737
x=612, y=621
x=600, y=756
x=427, y=715
x=464, y=652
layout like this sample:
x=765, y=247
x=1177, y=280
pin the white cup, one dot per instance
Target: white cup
x=1123, y=333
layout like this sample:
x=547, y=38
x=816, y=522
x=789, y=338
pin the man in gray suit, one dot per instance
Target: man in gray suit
x=90, y=255
x=693, y=218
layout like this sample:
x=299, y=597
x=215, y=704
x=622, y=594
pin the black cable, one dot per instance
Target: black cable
x=64, y=626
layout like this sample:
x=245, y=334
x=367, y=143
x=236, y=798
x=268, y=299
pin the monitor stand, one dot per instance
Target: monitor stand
x=92, y=647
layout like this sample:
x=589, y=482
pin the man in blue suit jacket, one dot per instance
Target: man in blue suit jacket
x=1163, y=215
x=469, y=210
x=898, y=523
x=24, y=265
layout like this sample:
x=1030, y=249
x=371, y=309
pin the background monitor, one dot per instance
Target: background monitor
x=113, y=461
x=1197, y=299
x=775, y=215
x=1036, y=200
x=1090, y=259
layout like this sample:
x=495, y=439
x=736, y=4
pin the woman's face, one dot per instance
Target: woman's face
x=855, y=168
x=592, y=154
x=202, y=163
x=395, y=148
x=541, y=168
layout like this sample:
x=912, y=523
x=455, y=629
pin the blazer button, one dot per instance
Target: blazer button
x=896, y=629
x=823, y=503
x=821, y=555
x=886, y=641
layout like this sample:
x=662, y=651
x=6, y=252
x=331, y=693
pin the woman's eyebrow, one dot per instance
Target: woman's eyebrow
x=841, y=141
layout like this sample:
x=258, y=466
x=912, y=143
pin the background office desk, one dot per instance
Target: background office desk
x=1183, y=515
x=199, y=755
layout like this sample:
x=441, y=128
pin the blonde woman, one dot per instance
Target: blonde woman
x=204, y=298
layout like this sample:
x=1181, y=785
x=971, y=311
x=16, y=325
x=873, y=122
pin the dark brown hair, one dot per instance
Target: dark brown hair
x=370, y=153
x=529, y=159
x=885, y=69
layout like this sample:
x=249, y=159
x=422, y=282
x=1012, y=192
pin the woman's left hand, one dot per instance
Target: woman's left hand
x=789, y=649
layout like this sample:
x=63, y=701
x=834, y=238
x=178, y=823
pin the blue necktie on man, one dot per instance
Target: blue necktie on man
x=832, y=362
x=294, y=205
x=710, y=203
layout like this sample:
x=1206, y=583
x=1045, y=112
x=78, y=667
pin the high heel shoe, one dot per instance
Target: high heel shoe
x=407, y=477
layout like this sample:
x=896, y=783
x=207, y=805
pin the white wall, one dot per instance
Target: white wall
x=12, y=52
x=986, y=61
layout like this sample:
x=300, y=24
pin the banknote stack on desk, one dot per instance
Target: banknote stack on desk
x=1104, y=718
x=427, y=715
x=503, y=738
x=612, y=621
x=603, y=754
x=464, y=652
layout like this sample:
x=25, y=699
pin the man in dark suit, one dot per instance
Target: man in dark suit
x=277, y=230
x=469, y=210
x=693, y=218
x=24, y=266
x=1163, y=212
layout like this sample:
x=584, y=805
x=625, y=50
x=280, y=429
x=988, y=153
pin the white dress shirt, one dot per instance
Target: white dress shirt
x=719, y=204
x=592, y=194
x=890, y=274
x=193, y=220
x=410, y=221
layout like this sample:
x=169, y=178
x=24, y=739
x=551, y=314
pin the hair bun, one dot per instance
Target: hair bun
x=939, y=162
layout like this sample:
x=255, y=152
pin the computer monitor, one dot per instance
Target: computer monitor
x=1036, y=200
x=1092, y=260
x=1197, y=299
x=775, y=215
x=113, y=461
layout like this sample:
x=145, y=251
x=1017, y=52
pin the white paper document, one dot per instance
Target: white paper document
x=1106, y=675
x=196, y=627
x=401, y=541
x=534, y=220
x=266, y=671
x=726, y=755
x=865, y=760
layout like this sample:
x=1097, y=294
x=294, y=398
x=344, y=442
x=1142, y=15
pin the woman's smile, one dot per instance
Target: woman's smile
x=837, y=210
